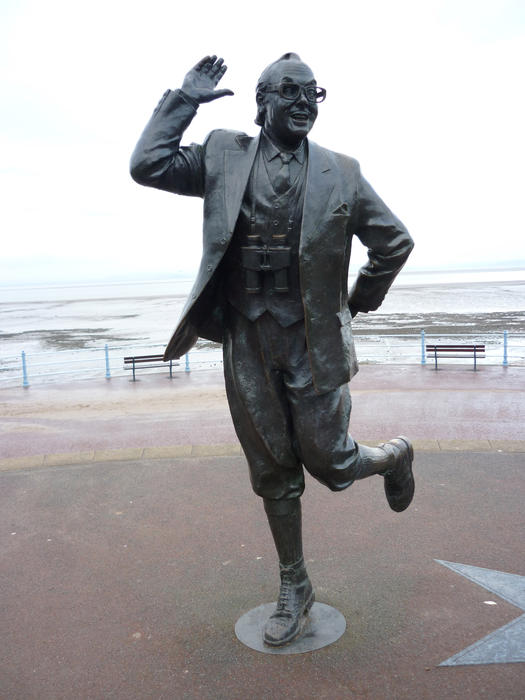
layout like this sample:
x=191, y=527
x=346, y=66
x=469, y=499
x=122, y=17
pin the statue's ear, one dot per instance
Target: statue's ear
x=261, y=109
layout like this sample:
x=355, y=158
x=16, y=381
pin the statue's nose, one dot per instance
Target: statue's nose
x=301, y=99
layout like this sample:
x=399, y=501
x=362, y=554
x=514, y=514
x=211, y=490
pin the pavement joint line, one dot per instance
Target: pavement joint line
x=64, y=459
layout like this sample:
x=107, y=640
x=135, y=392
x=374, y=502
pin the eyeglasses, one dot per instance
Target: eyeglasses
x=291, y=91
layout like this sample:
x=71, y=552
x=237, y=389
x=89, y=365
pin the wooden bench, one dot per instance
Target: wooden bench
x=470, y=351
x=145, y=361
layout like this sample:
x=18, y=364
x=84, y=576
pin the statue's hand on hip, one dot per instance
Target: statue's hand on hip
x=200, y=82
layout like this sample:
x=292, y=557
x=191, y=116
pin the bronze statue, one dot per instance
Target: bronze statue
x=280, y=213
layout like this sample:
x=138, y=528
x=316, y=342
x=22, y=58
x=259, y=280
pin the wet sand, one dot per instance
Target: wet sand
x=482, y=324
x=47, y=325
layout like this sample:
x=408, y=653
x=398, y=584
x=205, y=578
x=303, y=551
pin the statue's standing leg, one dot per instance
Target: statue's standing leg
x=296, y=595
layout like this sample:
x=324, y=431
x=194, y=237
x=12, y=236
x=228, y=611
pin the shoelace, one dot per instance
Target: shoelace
x=284, y=594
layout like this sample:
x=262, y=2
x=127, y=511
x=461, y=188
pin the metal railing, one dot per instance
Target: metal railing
x=502, y=348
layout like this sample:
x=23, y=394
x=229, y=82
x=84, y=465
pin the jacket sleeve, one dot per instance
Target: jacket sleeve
x=158, y=159
x=389, y=245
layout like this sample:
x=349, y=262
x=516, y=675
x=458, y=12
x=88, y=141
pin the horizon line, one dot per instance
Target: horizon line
x=187, y=276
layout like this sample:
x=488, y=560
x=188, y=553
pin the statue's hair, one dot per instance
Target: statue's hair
x=263, y=81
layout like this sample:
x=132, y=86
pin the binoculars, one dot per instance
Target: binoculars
x=257, y=260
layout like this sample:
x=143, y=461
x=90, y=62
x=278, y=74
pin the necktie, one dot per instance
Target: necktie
x=282, y=178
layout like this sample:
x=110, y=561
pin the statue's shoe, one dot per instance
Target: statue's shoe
x=399, y=478
x=295, y=600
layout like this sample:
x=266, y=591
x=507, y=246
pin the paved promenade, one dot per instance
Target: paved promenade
x=131, y=544
x=452, y=408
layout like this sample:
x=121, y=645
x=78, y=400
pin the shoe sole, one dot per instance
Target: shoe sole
x=410, y=448
x=411, y=456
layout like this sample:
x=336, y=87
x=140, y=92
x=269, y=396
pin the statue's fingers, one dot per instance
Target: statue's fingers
x=218, y=76
x=208, y=65
x=217, y=66
x=199, y=66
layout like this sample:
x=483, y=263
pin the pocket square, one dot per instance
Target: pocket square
x=342, y=210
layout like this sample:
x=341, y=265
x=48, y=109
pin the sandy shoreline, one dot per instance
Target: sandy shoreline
x=440, y=322
x=376, y=323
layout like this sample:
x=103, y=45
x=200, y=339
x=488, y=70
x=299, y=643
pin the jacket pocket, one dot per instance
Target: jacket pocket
x=345, y=320
x=342, y=210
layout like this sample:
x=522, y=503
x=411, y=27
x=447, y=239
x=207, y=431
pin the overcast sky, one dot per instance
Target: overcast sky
x=427, y=95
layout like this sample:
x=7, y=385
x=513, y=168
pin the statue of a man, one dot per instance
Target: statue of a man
x=280, y=213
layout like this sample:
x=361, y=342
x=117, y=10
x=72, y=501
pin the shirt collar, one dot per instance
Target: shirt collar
x=271, y=151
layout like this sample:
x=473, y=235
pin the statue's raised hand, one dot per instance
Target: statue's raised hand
x=200, y=82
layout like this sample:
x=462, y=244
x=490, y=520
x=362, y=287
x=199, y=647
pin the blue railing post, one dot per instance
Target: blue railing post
x=423, y=352
x=106, y=352
x=505, y=346
x=187, y=367
x=25, y=381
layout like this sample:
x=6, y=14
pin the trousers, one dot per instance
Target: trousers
x=283, y=425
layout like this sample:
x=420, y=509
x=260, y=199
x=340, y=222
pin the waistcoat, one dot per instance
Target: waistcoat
x=271, y=222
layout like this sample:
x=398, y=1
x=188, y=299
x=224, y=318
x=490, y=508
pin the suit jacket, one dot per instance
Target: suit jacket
x=338, y=204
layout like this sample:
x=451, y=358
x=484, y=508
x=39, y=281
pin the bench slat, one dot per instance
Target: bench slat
x=145, y=358
x=461, y=357
x=456, y=348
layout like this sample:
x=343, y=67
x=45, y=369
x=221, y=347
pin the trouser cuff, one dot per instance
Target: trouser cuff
x=285, y=506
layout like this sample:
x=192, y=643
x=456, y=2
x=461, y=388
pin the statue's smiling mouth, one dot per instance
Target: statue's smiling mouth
x=300, y=116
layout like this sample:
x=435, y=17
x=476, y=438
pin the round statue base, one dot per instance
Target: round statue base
x=323, y=626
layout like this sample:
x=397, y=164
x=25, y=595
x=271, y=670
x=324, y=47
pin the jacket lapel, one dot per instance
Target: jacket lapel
x=237, y=167
x=319, y=187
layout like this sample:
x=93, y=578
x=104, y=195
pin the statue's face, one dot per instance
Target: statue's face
x=289, y=121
